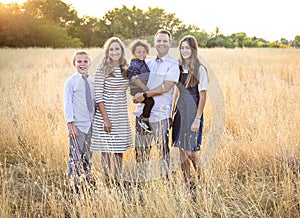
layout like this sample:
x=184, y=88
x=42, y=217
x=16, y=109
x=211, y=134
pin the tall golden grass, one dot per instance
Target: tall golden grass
x=255, y=172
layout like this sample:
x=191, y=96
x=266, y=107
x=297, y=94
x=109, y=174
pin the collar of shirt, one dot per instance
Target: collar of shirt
x=83, y=75
x=162, y=59
x=78, y=74
x=158, y=59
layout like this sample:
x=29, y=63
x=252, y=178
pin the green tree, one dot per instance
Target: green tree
x=24, y=30
x=153, y=20
x=18, y=31
x=54, y=10
x=9, y=18
x=296, y=42
x=228, y=42
x=239, y=38
x=262, y=43
x=274, y=44
x=115, y=20
x=202, y=38
x=53, y=23
x=88, y=30
x=133, y=23
x=52, y=35
x=250, y=42
x=57, y=13
x=284, y=41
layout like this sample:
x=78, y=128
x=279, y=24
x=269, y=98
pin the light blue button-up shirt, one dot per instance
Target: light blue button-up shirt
x=75, y=106
x=164, y=69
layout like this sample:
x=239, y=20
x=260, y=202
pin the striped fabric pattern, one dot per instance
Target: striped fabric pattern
x=112, y=91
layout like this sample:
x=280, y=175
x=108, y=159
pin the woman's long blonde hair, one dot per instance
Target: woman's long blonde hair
x=107, y=67
x=193, y=65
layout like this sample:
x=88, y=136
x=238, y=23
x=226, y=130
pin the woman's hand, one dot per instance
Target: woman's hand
x=107, y=125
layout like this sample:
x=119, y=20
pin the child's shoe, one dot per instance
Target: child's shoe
x=145, y=125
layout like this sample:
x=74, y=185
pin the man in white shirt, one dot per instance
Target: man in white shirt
x=164, y=74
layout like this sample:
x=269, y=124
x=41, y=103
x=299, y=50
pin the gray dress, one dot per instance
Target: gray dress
x=186, y=111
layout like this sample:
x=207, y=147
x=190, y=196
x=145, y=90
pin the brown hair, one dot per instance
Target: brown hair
x=193, y=66
x=137, y=43
x=163, y=31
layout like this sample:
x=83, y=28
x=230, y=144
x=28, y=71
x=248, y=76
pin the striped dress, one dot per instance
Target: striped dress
x=111, y=91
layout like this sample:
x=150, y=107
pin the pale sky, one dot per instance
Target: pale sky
x=271, y=20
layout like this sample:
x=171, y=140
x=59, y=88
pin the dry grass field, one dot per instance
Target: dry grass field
x=255, y=171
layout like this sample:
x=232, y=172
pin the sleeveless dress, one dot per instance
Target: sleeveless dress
x=186, y=110
x=113, y=92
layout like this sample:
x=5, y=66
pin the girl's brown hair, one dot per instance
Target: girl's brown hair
x=193, y=65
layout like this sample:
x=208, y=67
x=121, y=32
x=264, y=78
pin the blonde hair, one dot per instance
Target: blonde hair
x=107, y=67
x=80, y=52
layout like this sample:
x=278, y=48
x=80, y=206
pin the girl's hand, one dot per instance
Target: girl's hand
x=195, y=125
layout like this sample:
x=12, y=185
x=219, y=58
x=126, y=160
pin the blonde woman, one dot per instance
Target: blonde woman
x=111, y=131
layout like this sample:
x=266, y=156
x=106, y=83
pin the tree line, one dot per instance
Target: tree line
x=53, y=23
